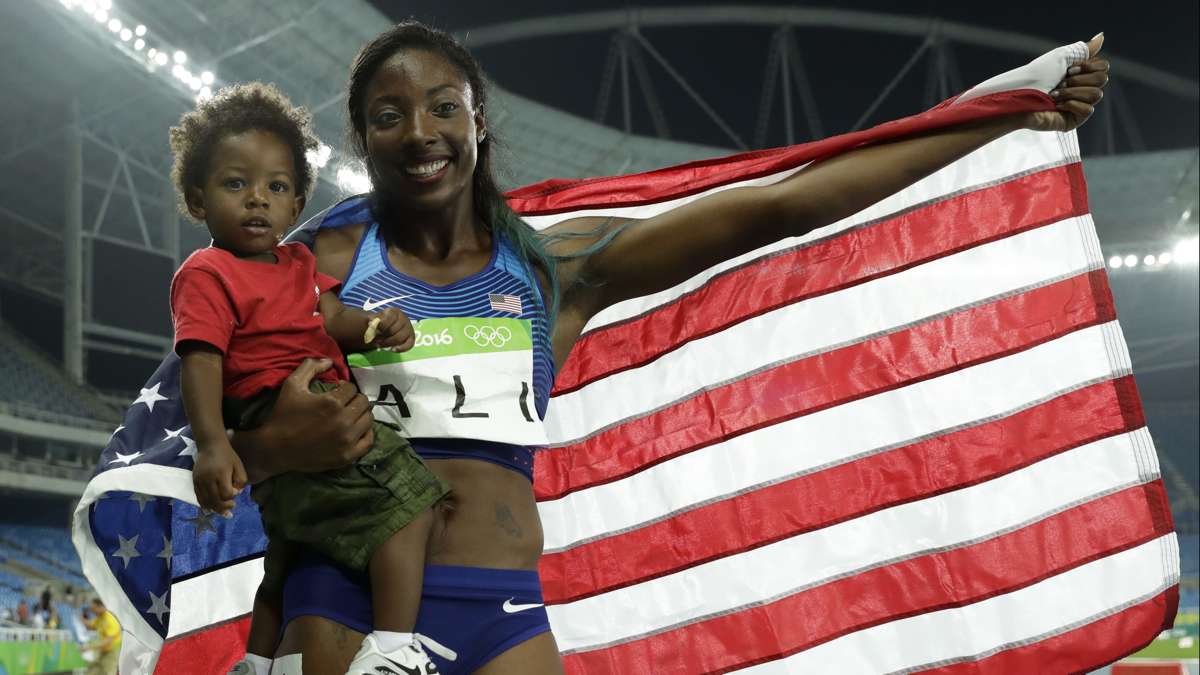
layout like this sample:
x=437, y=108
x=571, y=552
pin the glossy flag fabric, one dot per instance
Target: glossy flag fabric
x=909, y=441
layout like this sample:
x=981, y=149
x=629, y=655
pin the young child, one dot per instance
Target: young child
x=247, y=311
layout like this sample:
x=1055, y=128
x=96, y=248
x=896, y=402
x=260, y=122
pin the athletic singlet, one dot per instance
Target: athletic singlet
x=477, y=382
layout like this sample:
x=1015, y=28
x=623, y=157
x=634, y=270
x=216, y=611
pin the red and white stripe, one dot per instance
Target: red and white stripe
x=907, y=441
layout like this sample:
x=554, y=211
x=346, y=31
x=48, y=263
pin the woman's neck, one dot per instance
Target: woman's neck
x=434, y=235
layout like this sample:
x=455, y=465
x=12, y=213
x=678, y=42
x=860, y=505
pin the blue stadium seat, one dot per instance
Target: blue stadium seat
x=45, y=549
x=1189, y=555
x=11, y=582
x=34, y=380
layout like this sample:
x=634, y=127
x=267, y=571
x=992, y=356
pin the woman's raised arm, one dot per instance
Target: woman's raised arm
x=657, y=253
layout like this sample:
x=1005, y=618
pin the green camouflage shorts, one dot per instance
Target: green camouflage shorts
x=345, y=513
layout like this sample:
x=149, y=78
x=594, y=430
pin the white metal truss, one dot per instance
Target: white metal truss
x=784, y=68
x=810, y=17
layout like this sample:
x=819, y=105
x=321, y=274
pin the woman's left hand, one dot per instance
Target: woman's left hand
x=1077, y=95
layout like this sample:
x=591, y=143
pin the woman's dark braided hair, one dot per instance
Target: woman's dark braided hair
x=490, y=204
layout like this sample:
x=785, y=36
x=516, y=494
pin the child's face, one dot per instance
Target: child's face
x=249, y=197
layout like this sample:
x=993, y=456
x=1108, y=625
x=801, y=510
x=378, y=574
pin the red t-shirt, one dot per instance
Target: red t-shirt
x=262, y=317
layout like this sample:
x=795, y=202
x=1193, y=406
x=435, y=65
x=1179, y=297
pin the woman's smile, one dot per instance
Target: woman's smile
x=427, y=171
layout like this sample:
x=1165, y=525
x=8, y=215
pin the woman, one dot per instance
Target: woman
x=437, y=224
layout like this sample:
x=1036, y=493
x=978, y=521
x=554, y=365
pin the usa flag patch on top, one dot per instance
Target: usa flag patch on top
x=505, y=303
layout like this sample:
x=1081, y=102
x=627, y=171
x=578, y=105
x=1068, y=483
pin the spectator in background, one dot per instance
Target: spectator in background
x=46, y=598
x=23, y=612
x=108, y=639
x=52, y=620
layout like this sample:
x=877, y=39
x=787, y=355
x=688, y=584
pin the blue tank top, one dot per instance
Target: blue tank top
x=503, y=289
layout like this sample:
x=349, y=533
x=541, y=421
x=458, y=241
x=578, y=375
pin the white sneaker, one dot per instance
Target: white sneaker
x=244, y=667
x=410, y=659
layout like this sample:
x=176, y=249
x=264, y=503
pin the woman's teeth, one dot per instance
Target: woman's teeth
x=427, y=169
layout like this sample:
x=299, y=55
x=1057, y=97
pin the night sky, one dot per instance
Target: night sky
x=847, y=69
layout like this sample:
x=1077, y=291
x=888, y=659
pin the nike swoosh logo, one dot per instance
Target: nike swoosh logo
x=370, y=304
x=404, y=670
x=384, y=670
x=510, y=608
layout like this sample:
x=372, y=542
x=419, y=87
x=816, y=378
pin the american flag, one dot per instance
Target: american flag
x=505, y=303
x=907, y=441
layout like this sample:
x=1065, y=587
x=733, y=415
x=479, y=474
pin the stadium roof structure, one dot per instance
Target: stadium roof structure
x=63, y=57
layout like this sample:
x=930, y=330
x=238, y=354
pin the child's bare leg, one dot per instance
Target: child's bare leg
x=397, y=571
x=264, y=624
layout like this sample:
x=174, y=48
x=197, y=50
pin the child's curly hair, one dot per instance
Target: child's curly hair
x=235, y=110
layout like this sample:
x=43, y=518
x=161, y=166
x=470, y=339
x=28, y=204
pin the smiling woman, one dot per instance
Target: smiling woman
x=436, y=239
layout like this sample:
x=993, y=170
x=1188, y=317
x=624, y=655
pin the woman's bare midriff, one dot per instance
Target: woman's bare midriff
x=490, y=518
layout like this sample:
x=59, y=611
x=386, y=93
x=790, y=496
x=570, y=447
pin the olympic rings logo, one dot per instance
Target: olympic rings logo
x=487, y=335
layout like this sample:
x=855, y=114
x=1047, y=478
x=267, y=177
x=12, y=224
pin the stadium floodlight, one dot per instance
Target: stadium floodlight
x=1149, y=260
x=1187, y=251
x=1115, y=262
x=1164, y=258
x=1131, y=261
x=204, y=94
x=134, y=34
x=352, y=180
x=320, y=157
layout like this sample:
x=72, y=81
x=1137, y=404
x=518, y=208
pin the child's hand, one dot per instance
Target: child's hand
x=394, y=331
x=218, y=477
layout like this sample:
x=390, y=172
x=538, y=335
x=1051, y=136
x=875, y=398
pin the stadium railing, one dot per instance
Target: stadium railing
x=45, y=469
x=42, y=415
x=34, y=635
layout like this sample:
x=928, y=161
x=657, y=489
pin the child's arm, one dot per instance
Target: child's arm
x=218, y=474
x=348, y=326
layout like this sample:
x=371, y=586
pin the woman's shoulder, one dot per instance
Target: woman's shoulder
x=335, y=247
x=343, y=235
